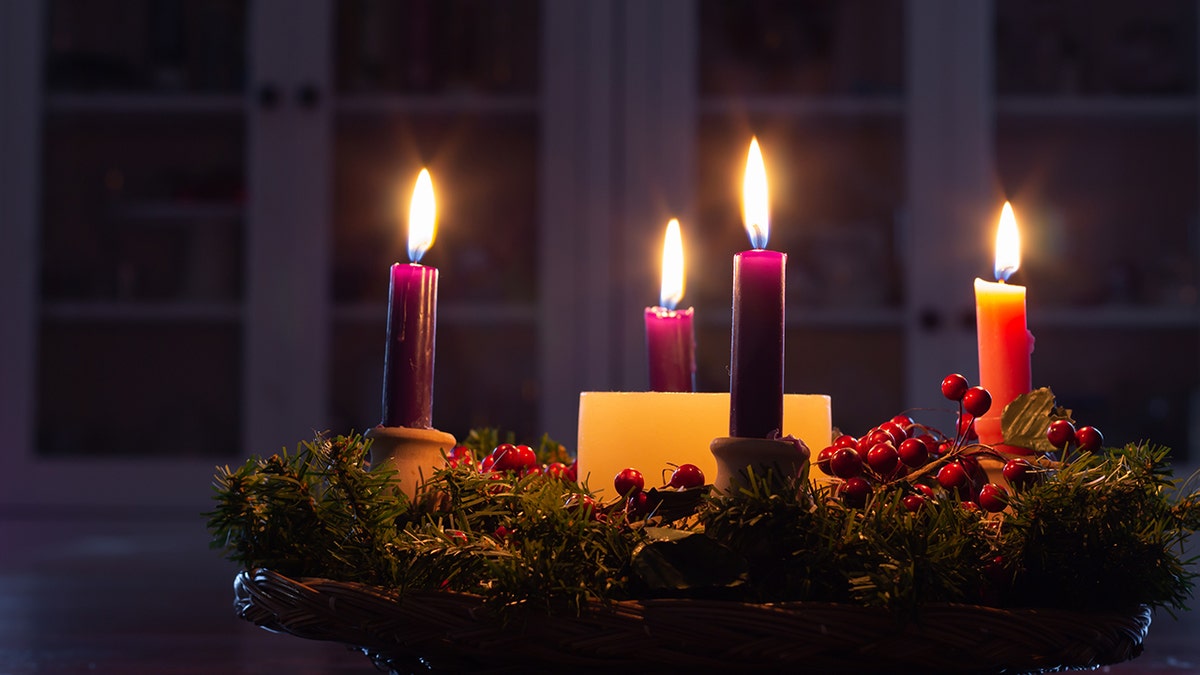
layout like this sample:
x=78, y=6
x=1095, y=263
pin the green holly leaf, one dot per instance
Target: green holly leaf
x=681, y=563
x=1025, y=419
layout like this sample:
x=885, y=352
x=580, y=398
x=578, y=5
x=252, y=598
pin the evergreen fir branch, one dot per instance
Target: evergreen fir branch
x=1069, y=540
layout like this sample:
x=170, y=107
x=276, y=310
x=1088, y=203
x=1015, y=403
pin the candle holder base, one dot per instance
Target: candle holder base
x=735, y=455
x=412, y=453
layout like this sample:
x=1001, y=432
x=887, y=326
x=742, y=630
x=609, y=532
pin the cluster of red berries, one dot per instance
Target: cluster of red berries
x=630, y=483
x=922, y=461
x=1062, y=434
x=521, y=460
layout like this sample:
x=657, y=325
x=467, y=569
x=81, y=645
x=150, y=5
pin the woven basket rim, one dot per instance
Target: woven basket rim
x=447, y=630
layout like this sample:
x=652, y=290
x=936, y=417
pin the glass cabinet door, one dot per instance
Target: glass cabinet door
x=452, y=87
x=141, y=230
x=1097, y=147
x=822, y=86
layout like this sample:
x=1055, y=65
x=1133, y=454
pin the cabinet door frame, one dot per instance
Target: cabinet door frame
x=284, y=324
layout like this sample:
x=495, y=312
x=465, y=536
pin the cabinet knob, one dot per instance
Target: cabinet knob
x=308, y=96
x=268, y=96
x=929, y=319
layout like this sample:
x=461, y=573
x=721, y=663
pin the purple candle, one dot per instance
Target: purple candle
x=412, y=322
x=670, y=338
x=756, y=354
x=671, y=346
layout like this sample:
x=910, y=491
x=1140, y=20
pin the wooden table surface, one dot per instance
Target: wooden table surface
x=140, y=594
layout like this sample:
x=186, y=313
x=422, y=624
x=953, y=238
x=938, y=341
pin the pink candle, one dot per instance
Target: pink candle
x=670, y=337
x=1005, y=343
x=756, y=358
x=671, y=346
x=412, y=322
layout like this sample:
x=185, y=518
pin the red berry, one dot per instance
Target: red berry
x=686, y=476
x=527, y=456
x=1016, y=471
x=867, y=441
x=1060, y=433
x=455, y=462
x=913, y=502
x=914, y=452
x=637, y=505
x=895, y=431
x=485, y=464
x=557, y=469
x=997, y=571
x=1089, y=439
x=944, y=448
x=629, y=482
x=977, y=401
x=855, y=492
x=823, y=458
x=966, y=427
x=993, y=498
x=925, y=490
x=509, y=457
x=845, y=441
x=952, y=476
x=573, y=471
x=585, y=503
x=880, y=435
x=904, y=421
x=954, y=386
x=846, y=463
x=883, y=459
x=460, y=451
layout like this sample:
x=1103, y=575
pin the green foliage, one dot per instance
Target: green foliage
x=319, y=512
x=314, y=512
x=1026, y=418
x=804, y=544
x=1104, y=531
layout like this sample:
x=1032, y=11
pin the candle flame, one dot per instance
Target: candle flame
x=1008, y=244
x=422, y=218
x=754, y=198
x=672, y=267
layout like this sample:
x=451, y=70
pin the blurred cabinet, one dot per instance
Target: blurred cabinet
x=206, y=195
x=894, y=132
x=1096, y=143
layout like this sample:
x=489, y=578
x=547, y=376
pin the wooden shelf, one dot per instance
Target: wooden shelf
x=1098, y=106
x=820, y=317
x=458, y=314
x=437, y=105
x=166, y=103
x=143, y=311
x=816, y=106
x=179, y=212
x=1114, y=317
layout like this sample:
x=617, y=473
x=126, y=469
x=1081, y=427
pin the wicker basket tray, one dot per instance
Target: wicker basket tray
x=447, y=632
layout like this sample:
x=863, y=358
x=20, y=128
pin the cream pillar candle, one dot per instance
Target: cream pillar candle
x=649, y=431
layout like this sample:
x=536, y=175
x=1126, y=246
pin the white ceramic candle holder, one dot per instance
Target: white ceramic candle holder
x=735, y=455
x=412, y=453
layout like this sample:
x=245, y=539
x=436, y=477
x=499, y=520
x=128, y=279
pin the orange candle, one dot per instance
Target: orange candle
x=1005, y=343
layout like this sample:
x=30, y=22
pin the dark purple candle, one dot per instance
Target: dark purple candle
x=408, y=357
x=671, y=346
x=412, y=321
x=756, y=359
